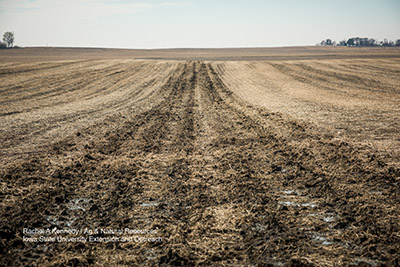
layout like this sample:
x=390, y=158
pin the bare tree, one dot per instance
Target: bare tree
x=9, y=38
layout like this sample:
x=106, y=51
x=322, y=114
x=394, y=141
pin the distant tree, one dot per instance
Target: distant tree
x=363, y=41
x=351, y=42
x=3, y=45
x=372, y=42
x=342, y=43
x=8, y=38
x=398, y=42
x=387, y=42
x=327, y=42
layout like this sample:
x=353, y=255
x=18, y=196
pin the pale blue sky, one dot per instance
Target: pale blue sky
x=196, y=23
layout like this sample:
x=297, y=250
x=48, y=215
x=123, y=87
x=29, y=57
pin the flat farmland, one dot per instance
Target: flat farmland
x=215, y=157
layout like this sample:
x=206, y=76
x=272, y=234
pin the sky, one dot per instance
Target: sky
x=196, y=23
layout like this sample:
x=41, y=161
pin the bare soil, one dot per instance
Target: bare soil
x=224, y=163
x=34, y=54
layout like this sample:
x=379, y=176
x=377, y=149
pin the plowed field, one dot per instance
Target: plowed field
x=193, y=162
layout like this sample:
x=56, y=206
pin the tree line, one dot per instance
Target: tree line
x=358, y=41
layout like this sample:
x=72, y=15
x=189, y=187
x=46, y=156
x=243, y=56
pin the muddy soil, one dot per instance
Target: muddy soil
x=192, y=173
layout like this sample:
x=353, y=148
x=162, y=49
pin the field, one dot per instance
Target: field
x=230, y=157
